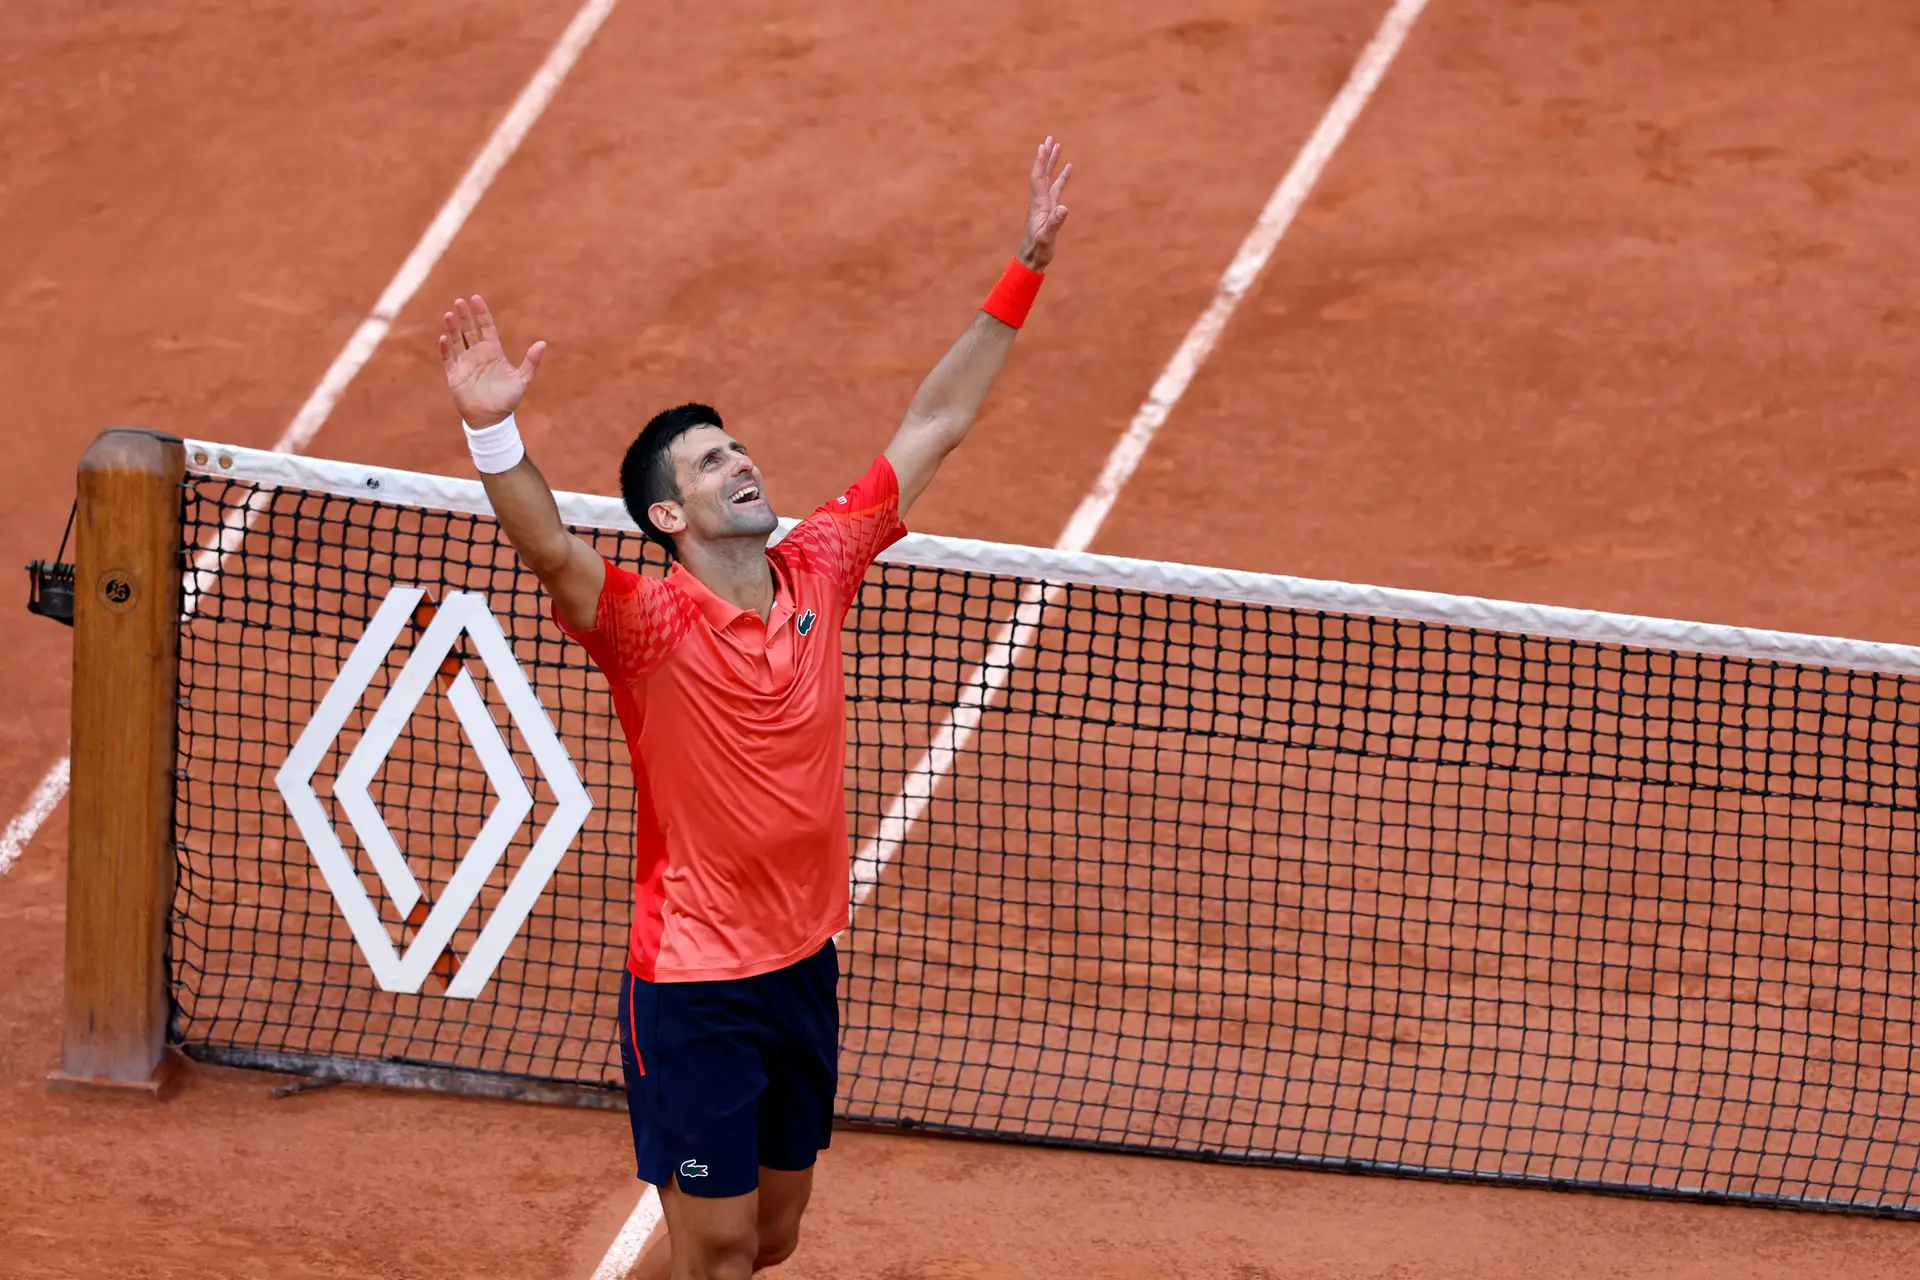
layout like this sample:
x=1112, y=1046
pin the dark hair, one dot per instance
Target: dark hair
x=646, y=473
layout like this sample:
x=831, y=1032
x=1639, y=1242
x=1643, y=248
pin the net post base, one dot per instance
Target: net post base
x=158, y=1087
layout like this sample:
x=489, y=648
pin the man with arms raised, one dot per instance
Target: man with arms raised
x=727, y=678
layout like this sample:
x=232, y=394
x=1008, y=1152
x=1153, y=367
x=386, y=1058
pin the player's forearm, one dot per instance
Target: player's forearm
x=525, y=507
x=949, y=400
x=944, y=408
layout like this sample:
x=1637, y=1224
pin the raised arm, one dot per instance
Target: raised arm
x=946, y=404
x=486, y=390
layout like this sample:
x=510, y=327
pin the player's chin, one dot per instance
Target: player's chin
x=752, y=517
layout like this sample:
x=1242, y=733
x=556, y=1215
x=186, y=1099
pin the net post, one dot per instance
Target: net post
x=120, y=857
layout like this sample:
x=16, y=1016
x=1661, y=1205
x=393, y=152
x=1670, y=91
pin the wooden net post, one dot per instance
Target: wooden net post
x=120, y=858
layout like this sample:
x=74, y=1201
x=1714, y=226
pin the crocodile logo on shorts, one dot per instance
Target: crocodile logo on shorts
x=804, y=623
x=692, y=1169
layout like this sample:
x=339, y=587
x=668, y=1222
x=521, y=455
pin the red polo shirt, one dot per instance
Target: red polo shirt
x=737, y=732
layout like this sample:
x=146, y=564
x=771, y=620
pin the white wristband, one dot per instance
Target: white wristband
x=496, y=448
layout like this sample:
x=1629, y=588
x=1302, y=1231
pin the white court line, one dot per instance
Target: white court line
x=625, y=1250
x=1011, y=639
x=506, y=139
x=45, y=799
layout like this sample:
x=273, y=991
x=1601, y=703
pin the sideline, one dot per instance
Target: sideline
x=45, y=799
x=505, y=140
x=1012, y=639
x=625, y=1249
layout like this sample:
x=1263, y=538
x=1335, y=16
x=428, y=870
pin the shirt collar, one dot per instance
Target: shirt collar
x=719, y=613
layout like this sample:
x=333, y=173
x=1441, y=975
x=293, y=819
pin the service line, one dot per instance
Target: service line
x=1012, y=638
x=313, y=414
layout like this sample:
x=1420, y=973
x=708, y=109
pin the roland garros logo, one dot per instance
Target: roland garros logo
x=460, y=613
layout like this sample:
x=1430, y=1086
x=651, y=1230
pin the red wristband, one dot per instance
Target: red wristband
x=1013, y=297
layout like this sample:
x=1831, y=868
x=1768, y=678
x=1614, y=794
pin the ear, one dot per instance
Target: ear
x=667, y=517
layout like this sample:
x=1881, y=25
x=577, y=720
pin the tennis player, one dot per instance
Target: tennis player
x=726, y=674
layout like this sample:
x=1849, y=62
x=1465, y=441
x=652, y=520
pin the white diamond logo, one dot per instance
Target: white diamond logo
x=461, y=612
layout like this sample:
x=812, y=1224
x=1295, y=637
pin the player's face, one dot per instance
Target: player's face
x=721, y=494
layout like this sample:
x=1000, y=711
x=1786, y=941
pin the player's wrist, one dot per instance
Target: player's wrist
x=481, y=421
x=495, y=448
x=1012, y=298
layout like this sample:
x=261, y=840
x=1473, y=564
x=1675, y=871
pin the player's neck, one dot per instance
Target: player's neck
x=735, y=569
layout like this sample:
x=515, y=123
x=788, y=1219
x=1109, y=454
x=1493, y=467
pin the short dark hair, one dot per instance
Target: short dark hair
x=646, y=473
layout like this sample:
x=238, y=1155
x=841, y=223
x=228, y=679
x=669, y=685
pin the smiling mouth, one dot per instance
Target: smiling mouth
x=746, y=494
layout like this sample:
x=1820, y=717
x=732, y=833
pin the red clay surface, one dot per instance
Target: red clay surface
x=1601, y=305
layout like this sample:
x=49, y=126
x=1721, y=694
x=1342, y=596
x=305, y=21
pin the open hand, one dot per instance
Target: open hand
x=485, y=387
x=1045, y=213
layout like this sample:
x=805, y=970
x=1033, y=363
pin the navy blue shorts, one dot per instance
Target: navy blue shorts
x=724, y=1077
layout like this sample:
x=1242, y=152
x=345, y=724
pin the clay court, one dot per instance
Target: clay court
x=1604, y=306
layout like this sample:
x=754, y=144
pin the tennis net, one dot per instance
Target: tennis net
x=1147, y=857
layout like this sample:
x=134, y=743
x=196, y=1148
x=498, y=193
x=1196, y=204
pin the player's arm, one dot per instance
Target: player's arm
x=486, y=390
x=946, y=404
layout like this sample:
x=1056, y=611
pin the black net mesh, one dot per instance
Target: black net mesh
x=1194, y=878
